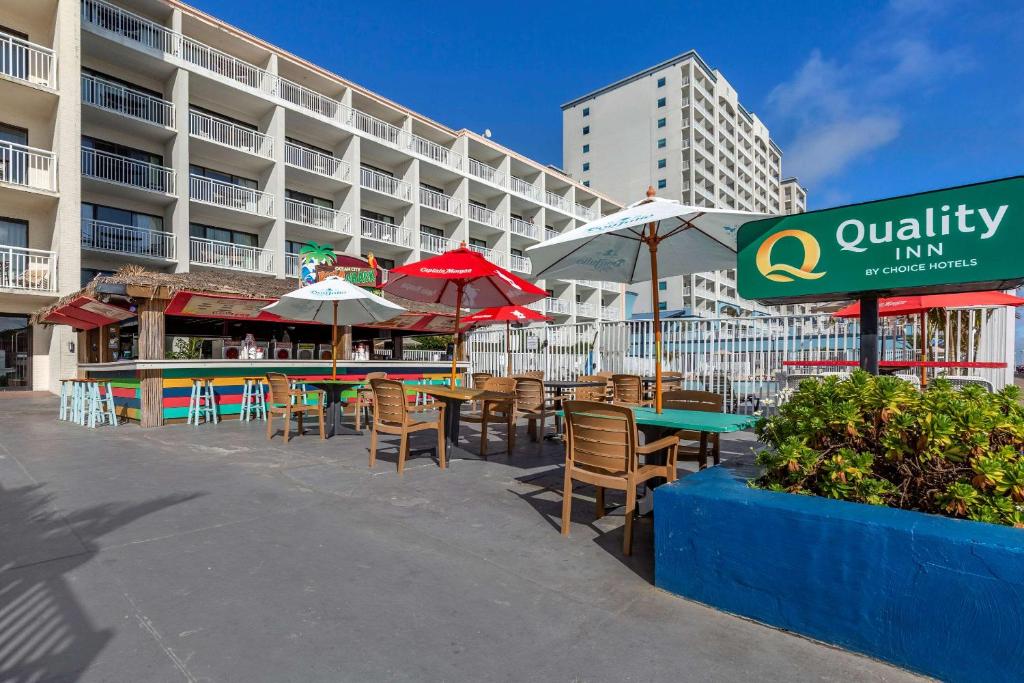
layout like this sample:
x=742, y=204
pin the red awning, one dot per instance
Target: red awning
x=908, y=305
x=86, y=313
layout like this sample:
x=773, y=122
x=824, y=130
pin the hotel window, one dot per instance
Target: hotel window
x=309, y=199
x=586, y=111
x=474, y=242
x=661, y=143
x=586, y=148
x=586, y=130
x=101, y=228
x=661, y=123
x=662, y=305
x=662, y=286
x=661, y=163
x=379, y=217
x=13, y=233
x=429, y=230
x=661, y=82
x=220, y=117
x=661, y=102
x=586, y=183
x=586, y=166
x=662, y=184
x=223, y=177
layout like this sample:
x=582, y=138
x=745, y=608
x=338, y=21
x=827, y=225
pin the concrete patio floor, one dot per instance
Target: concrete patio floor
x=210, y=554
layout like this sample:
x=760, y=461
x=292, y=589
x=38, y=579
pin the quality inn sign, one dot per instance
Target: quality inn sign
x=954, y=240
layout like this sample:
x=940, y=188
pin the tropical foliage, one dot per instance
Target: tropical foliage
x=317, y=253
x=881, y=441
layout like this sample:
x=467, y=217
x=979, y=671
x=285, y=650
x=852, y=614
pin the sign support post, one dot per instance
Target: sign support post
x=869, y=334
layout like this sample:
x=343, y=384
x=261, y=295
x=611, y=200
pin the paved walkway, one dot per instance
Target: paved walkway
x=179, y=554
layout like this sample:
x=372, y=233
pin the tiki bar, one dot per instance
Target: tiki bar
x=153, y=336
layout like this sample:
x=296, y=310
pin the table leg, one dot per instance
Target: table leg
x=703, y=451
x=333, y=401
x=452, y=421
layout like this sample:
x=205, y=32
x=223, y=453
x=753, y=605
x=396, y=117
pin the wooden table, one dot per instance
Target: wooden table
x=453, y=400
x=332, y=399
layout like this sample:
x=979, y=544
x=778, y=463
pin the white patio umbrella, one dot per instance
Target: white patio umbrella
x=649, y=239
x=319, y=303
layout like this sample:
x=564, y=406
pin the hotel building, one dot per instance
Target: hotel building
x=680, y=128
x=145, y=131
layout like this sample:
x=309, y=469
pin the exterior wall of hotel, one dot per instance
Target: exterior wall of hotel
x=189, y=60
x=699, y=146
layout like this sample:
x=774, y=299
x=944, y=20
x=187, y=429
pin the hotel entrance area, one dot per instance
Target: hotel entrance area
x=15, y=353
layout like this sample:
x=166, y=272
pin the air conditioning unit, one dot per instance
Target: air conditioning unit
x=282, y=351
x=231, y=351
x=323, y=351
x=305, y=351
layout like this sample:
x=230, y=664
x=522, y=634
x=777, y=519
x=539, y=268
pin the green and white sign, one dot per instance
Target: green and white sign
x=954, y=240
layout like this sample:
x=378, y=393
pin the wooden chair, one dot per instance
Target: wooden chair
x=280, y=402
x=364, y=397
x=607, y=377
x=392, y=415
x=628, y=390
x=532, y=403
x=706, y=401
x=493, y=410
x=480, y=378
x=591, y=393
x=532, y=374
x=602, y=449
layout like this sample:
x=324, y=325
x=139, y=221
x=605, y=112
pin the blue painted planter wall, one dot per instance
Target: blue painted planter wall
x=940, y=596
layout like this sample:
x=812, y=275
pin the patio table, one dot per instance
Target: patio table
x=332, y=399
x=453, y=400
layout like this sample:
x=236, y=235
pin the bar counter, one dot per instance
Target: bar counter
x=169, y=382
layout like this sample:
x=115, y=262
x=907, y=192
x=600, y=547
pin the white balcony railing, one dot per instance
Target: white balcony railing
x=489, y=254
x=609, y=313
x=440, y=201
x=550, y=234
x=127, y=239
x=588, y=310
x=230, y=196
x=557, y=201
x=435, y=244
x=206, y=127
x=524, y=228
x=27, y=61
x=114, y=168
x=291, y=265
x=385, y=184
x=587, y=283
x=439, y=154
x=521, y=264
x=206, y=252
x=611, y=286
x=482, y=214
x=585, y=212
x=520, y=186
x=33, y=270
x=382, y=130
x=114, y=97
x=385, y=232
x=485, y=172
x=28, y=166
x=315, y=216
x=317, y=162
x=556, y=305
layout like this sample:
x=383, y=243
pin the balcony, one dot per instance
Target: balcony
x=585, y=212
x=550, y=234
x=586, y=310
x=611, y=286
x=482, y=214
x=28, y=270
x=135, y=104
x=316, y=162
x=610, y=313
x=27, y=62
x=523, y=228
x=291, y=265
x=385, y=232
x=113, y=168
x=489, y=254
x=521, y=264
x=556, y=305
x=485, y=172
x=28, y=167
x=557, y=201
x=204, y=252
x=520, y=186
x=385, y=184
x=228, y=134
x=320, y=217
x=116, y=238
x=439, y=154
x=230, y=196
x=440, y=202
x=592, y=284
x=435, y=244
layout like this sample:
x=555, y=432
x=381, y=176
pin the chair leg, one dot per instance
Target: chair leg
x=441, y=446
x=323, y=431
x=358, y=410
x=270, y=426
x=301, y=426
x=403, y=449
x=627, y=536
x=287, y=421
x=483, y=434
x=567, y=501
x=243, y=413
x=599, y=503
x=373, y=446
x=510, y=434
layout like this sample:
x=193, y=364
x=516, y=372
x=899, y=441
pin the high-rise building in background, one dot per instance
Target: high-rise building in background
x=145, y=131
x=680, y=128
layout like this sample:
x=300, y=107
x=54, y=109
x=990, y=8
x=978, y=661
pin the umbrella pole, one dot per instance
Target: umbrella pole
x=508, y=348
x=458, y=335
x=924, y=347
x=652, y=246
x=334, y=341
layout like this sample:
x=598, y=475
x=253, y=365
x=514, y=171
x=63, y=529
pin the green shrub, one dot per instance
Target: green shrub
x=879, y=440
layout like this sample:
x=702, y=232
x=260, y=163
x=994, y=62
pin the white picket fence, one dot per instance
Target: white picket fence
x=744, y=357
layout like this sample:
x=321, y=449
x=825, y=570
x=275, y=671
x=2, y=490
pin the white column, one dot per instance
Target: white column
x=177, y=214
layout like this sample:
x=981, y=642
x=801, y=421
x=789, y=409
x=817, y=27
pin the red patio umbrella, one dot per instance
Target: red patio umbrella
x=922, y=303
x=507, y=315
x=457, y=278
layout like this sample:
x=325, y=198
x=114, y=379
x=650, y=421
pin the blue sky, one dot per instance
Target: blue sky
x=866, y=99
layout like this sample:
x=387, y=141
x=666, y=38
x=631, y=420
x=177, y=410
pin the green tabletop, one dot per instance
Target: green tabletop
x=694, y=420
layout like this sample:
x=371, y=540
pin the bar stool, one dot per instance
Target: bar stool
x=67, y=404
x=79, y=389
x=203, y=402
x=254, y=401
x=100, y=397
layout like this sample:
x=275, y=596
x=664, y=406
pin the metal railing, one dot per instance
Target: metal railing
x=317, y=162
x=291, y=265
x=611, y=286
x=382, y=130
x=230, y=196
x=520, y=186
x=489, y=254
x=485, y=172
x=557, y=201
x=521, y=264
x=482, y=214
x=127, y=239
x=550, y=234
x=385, y=184
x=585, y=212
x=315, y=216
x=114, y=97
x=524, y=228
x=593, y=284
x=230, y=134
x=27, y=61
x=440, y=201
x=28, y=166
x=385, y=232
x=114, y=168
x=33, y=270
x=435, y=244
x=587, y=310
x=610, y=313
x=556, y=305
x=435, y=152
x=206, y=252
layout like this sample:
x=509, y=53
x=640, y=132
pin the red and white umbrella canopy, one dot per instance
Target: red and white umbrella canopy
x=503, y=314
x=483, y=284
x=909, y=305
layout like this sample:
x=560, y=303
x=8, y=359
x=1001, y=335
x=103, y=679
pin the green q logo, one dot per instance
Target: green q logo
x=784, y=272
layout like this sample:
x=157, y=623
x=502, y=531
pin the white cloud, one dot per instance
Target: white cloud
x=825, y=150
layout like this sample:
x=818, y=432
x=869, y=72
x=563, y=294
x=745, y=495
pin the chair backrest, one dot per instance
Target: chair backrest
x=376, y=375
x=535, y=374
x=506, y=385
x=793, y=379
x=529, y=393
x=480, y=378
x=913, y=378
x=592, y=393
x=671, y=380
x=684, y=399
x=960, y=381
x=600, y=437
x=388, y=401
x=627, y=389
x=280, y=386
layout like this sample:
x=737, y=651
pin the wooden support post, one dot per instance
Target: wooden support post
x=346, y=342
x=152, y=330
x=397, y=347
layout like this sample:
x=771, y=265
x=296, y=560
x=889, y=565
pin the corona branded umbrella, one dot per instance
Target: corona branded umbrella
x=922, y=303
x=507, y=315
x=649, y=239
x=319, y=303
x=461, y=278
